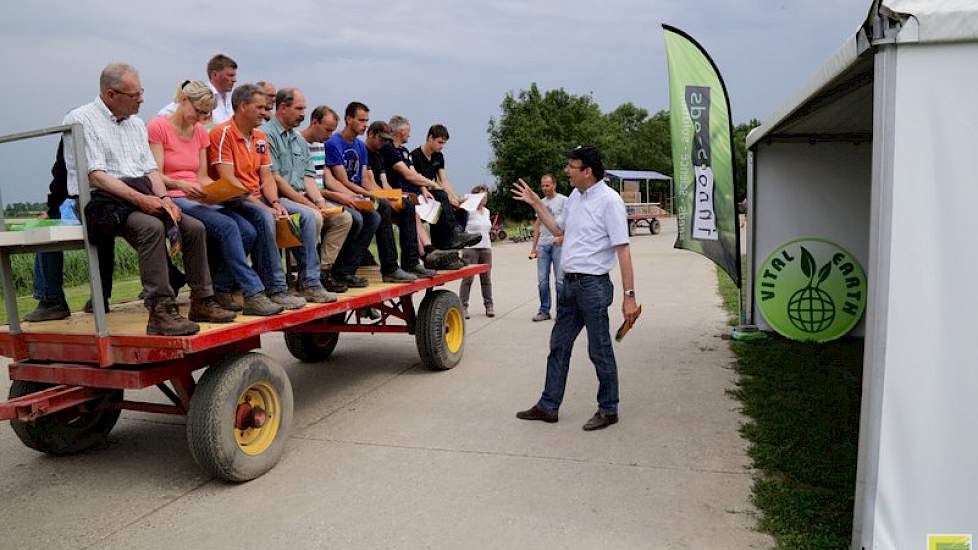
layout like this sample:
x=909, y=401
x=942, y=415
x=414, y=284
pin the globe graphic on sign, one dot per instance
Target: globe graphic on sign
x=811, y=310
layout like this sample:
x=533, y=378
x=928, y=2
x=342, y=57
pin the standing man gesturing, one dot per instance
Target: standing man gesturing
x=595, y=231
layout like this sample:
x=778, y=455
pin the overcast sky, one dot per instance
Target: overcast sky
x=448, y=61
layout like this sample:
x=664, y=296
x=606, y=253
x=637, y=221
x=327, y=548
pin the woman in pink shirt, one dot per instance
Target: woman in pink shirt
x=179, y=143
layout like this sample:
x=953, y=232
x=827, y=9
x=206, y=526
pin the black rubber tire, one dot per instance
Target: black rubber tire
x=69, y=431
x=430, y=330
x=632, y=226
x=210, y=421
x=311, y=347
x=655, y=227
x=501, y=236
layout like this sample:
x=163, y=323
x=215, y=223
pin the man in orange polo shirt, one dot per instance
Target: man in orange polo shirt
x=239, y=153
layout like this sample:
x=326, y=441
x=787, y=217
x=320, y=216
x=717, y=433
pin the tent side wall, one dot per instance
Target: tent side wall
x=928, y=441
x=810, y=190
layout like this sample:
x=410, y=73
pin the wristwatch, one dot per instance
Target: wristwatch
x=630, y=293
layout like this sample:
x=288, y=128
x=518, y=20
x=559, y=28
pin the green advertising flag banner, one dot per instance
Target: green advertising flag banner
x=702, y=154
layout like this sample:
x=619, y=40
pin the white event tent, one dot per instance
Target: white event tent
x=878, y=153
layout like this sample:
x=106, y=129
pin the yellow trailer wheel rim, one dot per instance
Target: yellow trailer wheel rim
x=454, y=330
x=256, y=440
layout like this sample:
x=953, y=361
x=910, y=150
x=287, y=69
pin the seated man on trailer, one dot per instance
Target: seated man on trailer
x=293, y=174
x=346, y=156
x=389, y=171
x=239, y=153
x=322, y=123
x=121, y=168
x=449, y=232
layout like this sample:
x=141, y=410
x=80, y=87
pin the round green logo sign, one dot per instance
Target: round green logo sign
x=811, y=289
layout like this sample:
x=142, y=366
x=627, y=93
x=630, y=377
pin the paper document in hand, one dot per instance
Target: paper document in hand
x=385, y=193
x=287, y=232
x=472, y=201
x=626, y=326
x=428, y=209
x=222, y=190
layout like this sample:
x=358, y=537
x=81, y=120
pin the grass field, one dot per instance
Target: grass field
x=802, y=401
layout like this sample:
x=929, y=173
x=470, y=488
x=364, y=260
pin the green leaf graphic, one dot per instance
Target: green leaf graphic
x=824, y=272
x=807, y=263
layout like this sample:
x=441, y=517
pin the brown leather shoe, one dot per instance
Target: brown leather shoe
x=536, y=413
x=600, y=421
x=207, y=310
x=165, y=319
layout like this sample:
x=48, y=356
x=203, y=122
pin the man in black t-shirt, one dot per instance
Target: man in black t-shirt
x=383, y=161
x=429, y=161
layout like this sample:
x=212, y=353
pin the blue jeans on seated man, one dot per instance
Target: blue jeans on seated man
x=234, y=237
x=307, y=256
x=583, y=303
x=548, y=258
x=362, y=231
x=265, y=258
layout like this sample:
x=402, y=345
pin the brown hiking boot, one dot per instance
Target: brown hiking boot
x=207, y=310
x=165, y=319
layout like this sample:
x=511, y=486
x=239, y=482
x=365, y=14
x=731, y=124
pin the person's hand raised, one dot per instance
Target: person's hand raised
x=523, y=192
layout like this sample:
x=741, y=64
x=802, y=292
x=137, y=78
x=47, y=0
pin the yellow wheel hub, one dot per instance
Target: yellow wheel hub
x=454, y=330
x=257, y=418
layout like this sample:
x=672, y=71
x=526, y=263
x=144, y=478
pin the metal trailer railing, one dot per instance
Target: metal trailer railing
x=77, y=143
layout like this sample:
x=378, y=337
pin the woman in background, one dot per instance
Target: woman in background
x=479, y=253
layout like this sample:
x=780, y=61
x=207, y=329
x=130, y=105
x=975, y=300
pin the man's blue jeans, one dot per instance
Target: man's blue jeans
x=307, y=255
x=583, y=303
x=265, y=257
x=357, y=240
x=548, y=257
x=235, y=238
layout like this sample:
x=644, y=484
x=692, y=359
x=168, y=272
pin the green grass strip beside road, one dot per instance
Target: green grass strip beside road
x=802, y=403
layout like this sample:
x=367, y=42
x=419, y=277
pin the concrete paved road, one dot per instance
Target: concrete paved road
x=386, y=454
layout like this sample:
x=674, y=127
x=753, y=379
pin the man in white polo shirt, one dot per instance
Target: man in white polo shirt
x=222, y=73
x=595, y=231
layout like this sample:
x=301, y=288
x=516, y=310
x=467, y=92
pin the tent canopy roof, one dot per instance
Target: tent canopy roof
x=834, y=100
x=636, y=175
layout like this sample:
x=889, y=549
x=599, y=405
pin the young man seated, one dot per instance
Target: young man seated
x=346, y=156
x=389, y=172
x=449, y=232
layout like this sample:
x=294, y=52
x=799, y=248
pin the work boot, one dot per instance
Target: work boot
x=331, y=284
x=259, y=304
x=208, y=310
x=353, y=281
x=422, y=272
x=48, y=311
x=226, y=301
x=461, y=239
x=398, y=276
x=285, y=300
x=443, y=260
x=165, y=319
x=91, y=309
x=318, y=295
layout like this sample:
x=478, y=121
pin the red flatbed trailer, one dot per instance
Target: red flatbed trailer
x=69, y=384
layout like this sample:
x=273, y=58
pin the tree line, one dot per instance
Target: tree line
x=535, y=127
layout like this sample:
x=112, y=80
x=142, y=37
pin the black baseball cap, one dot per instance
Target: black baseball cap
x=590, y=157
x=380, y=128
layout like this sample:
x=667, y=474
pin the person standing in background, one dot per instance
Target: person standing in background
x=479, y=222
x=546, y=247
